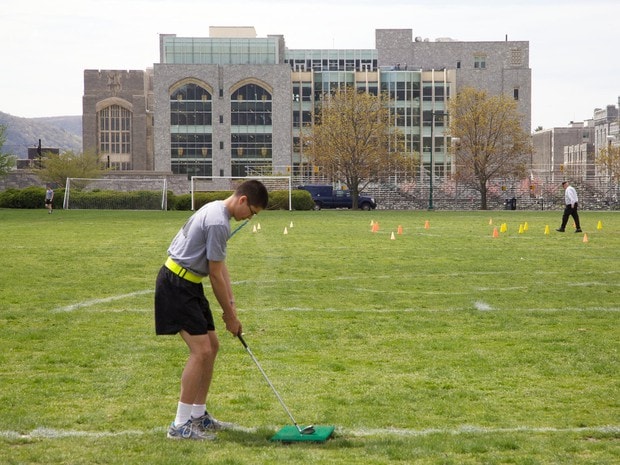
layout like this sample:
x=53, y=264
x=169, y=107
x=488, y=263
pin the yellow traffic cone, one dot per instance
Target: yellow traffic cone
x=525, y=226
x=392, y=236
x=503, y=228
x=285, y=230
x=547, y=230
x=520, y=229
x=599, y=226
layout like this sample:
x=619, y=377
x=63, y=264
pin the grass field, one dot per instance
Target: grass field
x=444, y=345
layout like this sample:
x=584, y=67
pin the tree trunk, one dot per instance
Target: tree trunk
x=483, y=196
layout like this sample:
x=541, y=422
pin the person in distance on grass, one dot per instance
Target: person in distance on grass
x=181, y=307
x=570, y=209
x=49, y=199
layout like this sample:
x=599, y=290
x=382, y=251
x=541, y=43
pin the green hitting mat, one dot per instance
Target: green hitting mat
x=292, y=434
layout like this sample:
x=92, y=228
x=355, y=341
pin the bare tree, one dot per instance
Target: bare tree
x=353, y=140
x=491, y=140
x=7, y=161
x=57, y=168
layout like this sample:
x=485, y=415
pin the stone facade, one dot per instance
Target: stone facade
x=131, y=90
x=497, y=67
x=221, y=79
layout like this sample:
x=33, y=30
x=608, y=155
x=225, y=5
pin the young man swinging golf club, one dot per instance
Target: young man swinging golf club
x=197, y=251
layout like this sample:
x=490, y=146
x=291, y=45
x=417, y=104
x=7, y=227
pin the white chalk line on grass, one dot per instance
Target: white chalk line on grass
x=50, y=433
x=92, y=302
x=479, y=305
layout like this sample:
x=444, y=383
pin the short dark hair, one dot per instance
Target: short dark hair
x=255, y=191
x=564, y=182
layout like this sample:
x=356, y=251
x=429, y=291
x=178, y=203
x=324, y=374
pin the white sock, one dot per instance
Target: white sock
x=184, y=412
x=198, y=410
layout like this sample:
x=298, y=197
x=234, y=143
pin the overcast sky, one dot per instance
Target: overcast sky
x=46, y=45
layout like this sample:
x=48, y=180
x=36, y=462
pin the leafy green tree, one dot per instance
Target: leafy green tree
x=353, y=140
x=56, y=168
x=492, y=143
x=7, y=161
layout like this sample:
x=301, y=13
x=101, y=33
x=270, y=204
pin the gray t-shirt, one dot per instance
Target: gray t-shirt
x=202, y=238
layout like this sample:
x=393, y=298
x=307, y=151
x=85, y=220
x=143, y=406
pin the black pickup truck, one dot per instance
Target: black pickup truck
x=326, y=196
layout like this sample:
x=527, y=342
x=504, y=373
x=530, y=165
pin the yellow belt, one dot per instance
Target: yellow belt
x=182, y=272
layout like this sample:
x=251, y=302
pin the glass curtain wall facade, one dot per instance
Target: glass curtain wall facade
x=251, y=130
x=418, y=100
x=219, y=51
x=191, y=130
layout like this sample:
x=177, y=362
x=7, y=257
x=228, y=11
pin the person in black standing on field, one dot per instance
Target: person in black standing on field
x=49, y=199
x=570, y=209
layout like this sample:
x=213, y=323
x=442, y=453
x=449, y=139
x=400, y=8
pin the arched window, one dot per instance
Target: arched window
x=191, y=131
x=251, y=130
x=115, y=137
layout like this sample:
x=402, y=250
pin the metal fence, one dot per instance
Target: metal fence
x=414, y=193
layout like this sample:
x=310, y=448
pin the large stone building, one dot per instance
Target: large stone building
x=234, y=104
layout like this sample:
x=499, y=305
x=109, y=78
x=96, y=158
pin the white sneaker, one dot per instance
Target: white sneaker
x=188, y=430
x=208, y=423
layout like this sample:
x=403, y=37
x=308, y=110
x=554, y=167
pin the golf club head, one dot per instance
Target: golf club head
x=307, y=430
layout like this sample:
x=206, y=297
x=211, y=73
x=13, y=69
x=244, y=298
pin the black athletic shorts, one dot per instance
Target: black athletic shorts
x=180, y=304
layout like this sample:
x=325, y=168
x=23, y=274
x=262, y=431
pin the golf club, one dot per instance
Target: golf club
x=238, y=228
x=307, y=429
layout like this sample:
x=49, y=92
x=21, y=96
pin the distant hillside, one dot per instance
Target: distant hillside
x=63, y=132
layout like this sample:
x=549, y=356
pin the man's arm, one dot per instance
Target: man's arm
x=220, y=283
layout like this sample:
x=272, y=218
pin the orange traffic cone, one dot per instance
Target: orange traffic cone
x=585, y=238
x=495, y=233
x=427, y=224
x=399, y=231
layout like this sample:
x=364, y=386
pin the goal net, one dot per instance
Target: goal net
x=230, y=183
x=115, y=194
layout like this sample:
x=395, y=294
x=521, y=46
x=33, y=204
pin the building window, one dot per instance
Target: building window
x=515, y=93
x=191, y=134
x=516, y=57
x=480, y=61
x=251, y=130
x=115, y=137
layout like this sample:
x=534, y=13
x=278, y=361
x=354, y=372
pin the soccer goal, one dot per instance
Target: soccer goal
x=230, y=183
x=115, y=194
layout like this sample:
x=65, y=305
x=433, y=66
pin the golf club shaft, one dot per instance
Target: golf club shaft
x=247, y=348
x=238, y=228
